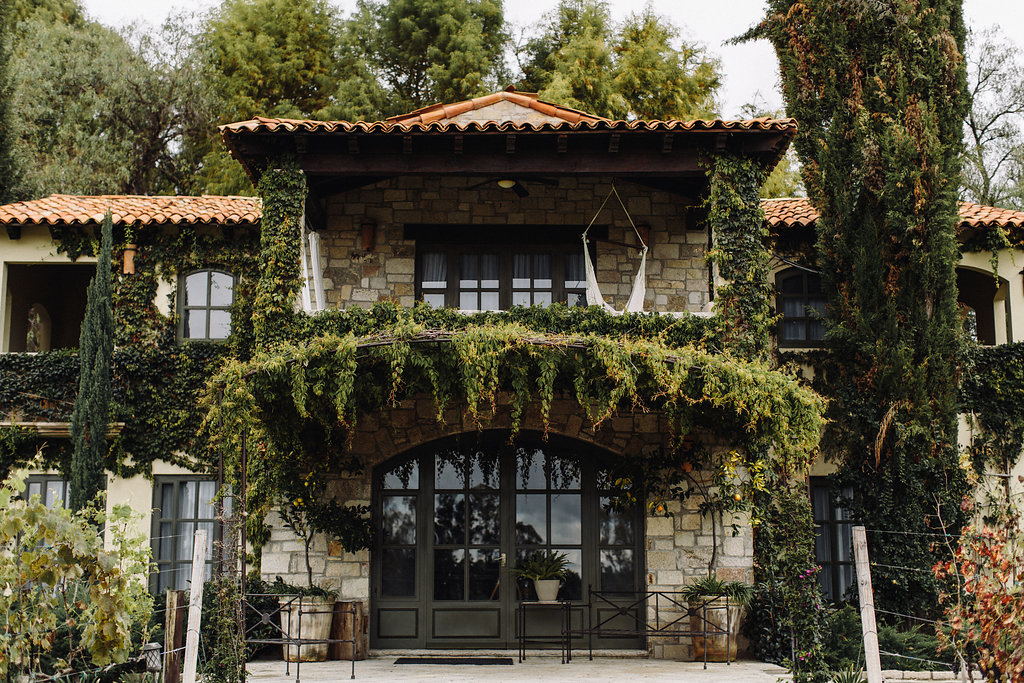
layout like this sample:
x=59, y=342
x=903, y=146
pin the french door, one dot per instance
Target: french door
x=454, y=517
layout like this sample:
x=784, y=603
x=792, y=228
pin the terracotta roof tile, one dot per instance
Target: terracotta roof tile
x=64, y=209
x=798, y=213
x=267, y=125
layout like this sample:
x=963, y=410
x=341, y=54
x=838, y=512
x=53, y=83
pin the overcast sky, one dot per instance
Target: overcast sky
x=750, y=70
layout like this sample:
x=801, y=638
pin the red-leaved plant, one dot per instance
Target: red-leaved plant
x=985, y=614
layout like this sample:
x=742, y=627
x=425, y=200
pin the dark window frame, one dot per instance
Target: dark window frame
x=505, y=241
x=183, y=309
x=805, y=296
x=42, y=480
x=174, y=564
x=834, y=517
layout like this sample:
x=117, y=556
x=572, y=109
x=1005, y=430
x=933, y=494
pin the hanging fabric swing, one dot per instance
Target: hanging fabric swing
x=635, y=303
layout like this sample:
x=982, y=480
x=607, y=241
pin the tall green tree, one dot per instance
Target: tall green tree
x=879, y=92
x=9, y=169
x=272, y=57
x=264, y=58
x=91, y=416
x=421, y=52
x=638, y=69
x=661, y=77
x=101, y=113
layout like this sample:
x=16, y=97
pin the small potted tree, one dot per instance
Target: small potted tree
x=546, y=569
x=308, y=511
x=717, y=604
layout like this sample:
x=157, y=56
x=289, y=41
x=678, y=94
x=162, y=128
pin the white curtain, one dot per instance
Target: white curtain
x=318, y=271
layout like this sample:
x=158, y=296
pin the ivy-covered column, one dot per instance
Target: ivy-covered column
x=786, y=615
x=283, y=191
x=741, y=254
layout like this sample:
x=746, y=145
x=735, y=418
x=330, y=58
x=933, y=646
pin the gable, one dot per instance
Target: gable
x=507, y=106
x=503, y=111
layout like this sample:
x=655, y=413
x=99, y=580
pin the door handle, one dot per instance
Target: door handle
x=503, y=560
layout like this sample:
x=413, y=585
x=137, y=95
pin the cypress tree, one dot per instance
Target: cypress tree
x=878, y=89
x=91, y=416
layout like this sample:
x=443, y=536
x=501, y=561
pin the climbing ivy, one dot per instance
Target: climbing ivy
x=283, y=191
x=878, y=90
x=310, y=387
x=993, y=397
x=741, y=254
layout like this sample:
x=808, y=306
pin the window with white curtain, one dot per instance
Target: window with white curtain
x=486, y=278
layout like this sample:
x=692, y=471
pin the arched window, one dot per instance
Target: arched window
x=801, y=305
x=206, y=297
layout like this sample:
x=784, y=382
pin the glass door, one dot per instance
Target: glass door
x=454, y=517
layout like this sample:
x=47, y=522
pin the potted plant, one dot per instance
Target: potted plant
x=546, y=569
x=308, y=511
x=718, y=605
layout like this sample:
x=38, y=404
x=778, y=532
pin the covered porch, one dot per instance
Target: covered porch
x=540, y=665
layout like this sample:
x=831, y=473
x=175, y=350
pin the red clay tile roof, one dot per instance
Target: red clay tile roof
x=789, y=213
x=65, y=209
x=430, y=120
x=529, y=100
x=798, y=213
x=266, y=125
x=980, y=216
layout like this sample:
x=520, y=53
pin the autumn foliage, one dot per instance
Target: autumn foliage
x=986, y=614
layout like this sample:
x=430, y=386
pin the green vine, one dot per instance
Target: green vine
x=741, y=253
x=276, y=398
x=283, y=191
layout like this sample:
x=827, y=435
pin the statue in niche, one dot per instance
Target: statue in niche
x=37, y=338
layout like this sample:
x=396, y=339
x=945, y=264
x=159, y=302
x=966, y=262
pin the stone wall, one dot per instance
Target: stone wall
x=677, y=275
x=678, y=547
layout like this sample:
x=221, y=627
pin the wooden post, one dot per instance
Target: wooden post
x=348, y=626
x=195, y=606
x=174, y=635
x=873, y=662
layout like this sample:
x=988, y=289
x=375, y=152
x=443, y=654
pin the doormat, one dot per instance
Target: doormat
x=472, y=661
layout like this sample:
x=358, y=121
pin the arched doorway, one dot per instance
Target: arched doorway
x=453, y=516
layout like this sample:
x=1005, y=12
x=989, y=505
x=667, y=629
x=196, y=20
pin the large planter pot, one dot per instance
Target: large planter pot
x=719, y=618
x=313, y=624
x=547, y=589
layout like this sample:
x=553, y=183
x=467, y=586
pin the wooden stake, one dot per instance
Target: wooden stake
x=867, y=605
x=174, y=635
x=195, y=606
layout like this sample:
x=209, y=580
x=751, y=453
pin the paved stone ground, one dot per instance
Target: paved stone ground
x=546, y=667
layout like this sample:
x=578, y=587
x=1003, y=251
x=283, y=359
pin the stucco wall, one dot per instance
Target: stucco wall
x=677, y=275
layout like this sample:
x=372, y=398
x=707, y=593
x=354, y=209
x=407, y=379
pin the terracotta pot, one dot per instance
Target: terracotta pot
x=547, y=589
x=315, y=624
x=718, y=617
